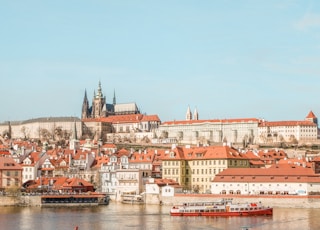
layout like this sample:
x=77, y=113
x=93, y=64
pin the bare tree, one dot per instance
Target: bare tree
x=45, y=135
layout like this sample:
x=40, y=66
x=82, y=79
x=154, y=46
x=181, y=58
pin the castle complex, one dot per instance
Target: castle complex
x=114, y=122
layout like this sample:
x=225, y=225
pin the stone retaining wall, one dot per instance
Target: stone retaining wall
x=272, y=201
x=20, y=201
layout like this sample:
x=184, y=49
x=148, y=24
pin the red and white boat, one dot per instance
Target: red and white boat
x=225, y=207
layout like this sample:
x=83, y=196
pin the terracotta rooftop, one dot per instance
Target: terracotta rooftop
x=311, y=115
x=286, y=123
x=7, y=163
x=184, y=122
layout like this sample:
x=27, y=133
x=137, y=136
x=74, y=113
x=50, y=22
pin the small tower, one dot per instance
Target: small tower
x=188, y=114
x=98, y=103
x=312, y=118
x=74, y=142
x=195, y=115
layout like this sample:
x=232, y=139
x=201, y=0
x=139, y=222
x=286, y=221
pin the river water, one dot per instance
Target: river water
x=125, y=216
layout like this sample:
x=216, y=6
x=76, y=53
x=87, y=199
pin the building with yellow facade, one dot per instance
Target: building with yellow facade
x=194, y=168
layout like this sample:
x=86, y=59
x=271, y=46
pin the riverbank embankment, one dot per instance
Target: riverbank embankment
x=280, y=201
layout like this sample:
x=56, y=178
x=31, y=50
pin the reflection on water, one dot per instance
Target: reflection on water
x=121, y=216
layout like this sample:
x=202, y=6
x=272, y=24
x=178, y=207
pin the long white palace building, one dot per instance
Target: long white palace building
x=245, y=131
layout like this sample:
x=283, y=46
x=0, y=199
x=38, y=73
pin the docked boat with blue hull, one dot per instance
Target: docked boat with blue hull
x=223, y=208
x=74, y=199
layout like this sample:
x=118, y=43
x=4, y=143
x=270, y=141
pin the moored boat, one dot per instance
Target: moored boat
x=74, y=199
x=132, y=199
x=224, y=207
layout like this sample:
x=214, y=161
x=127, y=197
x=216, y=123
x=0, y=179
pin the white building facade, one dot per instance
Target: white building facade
x=262, y=181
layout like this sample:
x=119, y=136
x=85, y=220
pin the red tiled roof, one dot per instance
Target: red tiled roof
x=109, y=146
x=7, y=163
x=137, y=157
x=268, y=175
x=5, y=153
x=164, y=182
x=209, y=152
x=184, y=122
x=286, y=123
x=150, y=118
x=122, y=152
x=273, y=171
x=99, y=161
x=311, y=115
x=129, y=118
x=61, y=182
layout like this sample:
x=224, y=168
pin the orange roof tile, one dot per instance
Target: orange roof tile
x=286, y=174
x=151, y=118
x=7, y=163
x=311, y=115
x=184, y=122
x=209, y=152
x=286, y=123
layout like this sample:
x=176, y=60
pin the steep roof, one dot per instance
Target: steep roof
x=144, y=157
x=7, y=163
x=150, y=118
x=205, y=153
x=311, y=115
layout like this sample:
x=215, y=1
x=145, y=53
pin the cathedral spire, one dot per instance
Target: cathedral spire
x=114, y=97
x=188, y=114
x=99, y=94
x=195, y=115
x=85, y=106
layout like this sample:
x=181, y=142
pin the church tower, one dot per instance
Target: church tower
x=74, y=142
x=98, y=103
x=311, y=117
x=188, y=114
x=85, y=107
x=195, y=115
x=114, y=97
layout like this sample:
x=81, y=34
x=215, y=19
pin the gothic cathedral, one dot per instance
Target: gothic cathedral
x=100, y=108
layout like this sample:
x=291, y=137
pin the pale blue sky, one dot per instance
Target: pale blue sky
x=228, y=59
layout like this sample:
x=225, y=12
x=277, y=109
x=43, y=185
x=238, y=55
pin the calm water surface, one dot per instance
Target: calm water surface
x=125, y=216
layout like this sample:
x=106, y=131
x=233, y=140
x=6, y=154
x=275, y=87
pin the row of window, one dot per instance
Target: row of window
x=27, y=169
x=27, y=177
x=197, y=162
x=194, y=171
x=11, y=173
x=11, y=181
x=261, y=185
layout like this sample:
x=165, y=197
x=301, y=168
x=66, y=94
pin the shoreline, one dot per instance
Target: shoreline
x=277, y=201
